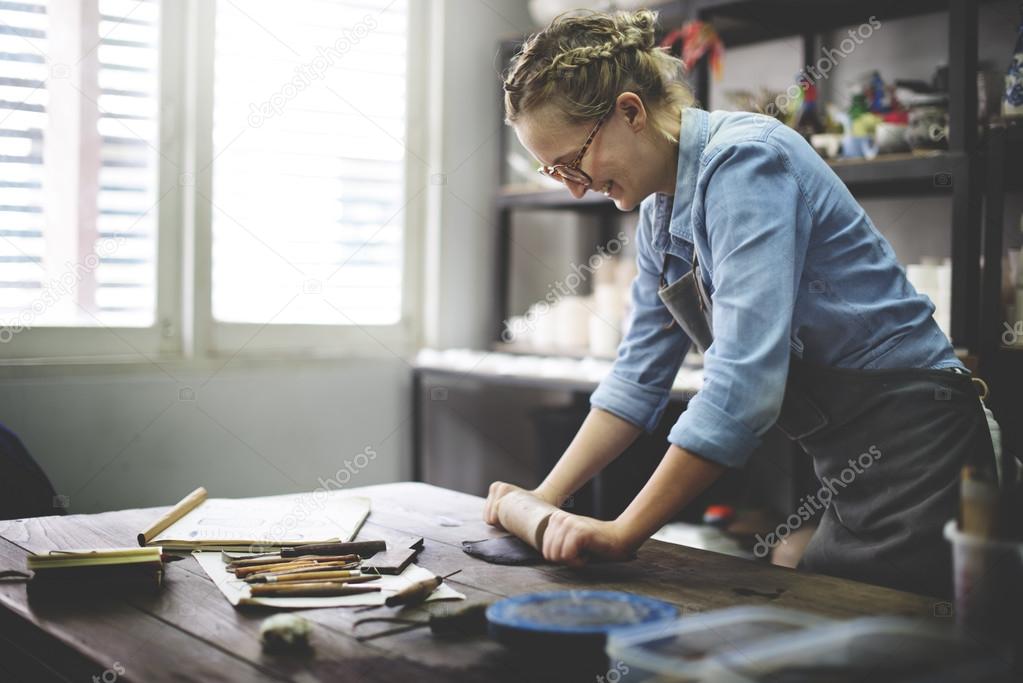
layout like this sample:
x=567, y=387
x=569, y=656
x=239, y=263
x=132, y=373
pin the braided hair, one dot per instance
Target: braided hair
x=583, y=60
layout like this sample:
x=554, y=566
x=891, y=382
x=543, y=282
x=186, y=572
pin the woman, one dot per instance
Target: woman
x=752, y=249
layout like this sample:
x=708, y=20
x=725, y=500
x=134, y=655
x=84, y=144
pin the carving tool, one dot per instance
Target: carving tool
x=360, y=548
x=281, y=568
x=415, y=594
x=470, y=620
x=302, y=590
x=352, y=577
x=256, y=561
x=326, y=566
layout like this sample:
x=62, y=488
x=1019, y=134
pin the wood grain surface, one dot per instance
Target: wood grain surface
x=189, y=631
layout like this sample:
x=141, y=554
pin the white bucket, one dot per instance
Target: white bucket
x=988, y=579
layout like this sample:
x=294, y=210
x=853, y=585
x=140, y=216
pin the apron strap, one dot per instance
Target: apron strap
x=664, y=283
x=697, y=282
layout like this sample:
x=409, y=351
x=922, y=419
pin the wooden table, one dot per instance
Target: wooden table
x=189, y=631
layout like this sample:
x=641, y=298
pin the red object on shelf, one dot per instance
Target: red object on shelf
x=718, y=515
x=697, y=39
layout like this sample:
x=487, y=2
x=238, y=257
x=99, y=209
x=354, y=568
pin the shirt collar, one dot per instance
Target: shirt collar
x=692, y=139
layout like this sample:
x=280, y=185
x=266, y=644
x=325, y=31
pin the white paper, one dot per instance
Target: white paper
x=237, y=591
x=227, y=523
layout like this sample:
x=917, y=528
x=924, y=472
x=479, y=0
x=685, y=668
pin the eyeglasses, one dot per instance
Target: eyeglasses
x=571, y=171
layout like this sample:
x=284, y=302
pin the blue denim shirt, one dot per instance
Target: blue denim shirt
x=793, y=265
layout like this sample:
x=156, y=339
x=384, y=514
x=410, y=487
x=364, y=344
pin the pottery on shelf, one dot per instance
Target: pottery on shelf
x=928, y=127
x=1012, y=100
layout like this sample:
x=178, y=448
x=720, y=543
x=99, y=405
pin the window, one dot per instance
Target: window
x=229, y=176
x=309, y=104
x=78, y=140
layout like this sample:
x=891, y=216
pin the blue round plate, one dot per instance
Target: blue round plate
x=578, y=612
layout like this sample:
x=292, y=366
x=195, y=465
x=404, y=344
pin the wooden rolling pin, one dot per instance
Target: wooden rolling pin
x=526, y=516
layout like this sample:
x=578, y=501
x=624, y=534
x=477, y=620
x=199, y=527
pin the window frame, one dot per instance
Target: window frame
x=184, y=327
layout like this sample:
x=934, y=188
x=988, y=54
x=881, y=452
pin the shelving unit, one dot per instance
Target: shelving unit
x=955, y=172
x=900, y=173
x=745, y=22
x=885, y=174
x=1001, y=366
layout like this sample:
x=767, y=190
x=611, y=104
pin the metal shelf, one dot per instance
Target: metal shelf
x=885, y=174
x=745, y=22
x=901, y=173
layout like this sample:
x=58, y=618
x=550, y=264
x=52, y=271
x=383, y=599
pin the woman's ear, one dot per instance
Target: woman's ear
x=631, y=106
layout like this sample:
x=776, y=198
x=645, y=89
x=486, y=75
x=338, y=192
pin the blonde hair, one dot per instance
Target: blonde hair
x=583, y=61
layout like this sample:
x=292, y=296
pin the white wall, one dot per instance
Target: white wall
x=467, y=119
x=114, y=437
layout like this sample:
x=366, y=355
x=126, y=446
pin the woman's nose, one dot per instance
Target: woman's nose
x=577, y=189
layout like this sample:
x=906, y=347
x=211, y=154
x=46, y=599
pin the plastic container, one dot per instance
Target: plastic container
x=692, y=648
x=760, y=645
x=889, y=649
x=988, y=579
x=563, y=634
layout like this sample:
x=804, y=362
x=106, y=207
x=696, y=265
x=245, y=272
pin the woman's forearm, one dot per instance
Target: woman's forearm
x=678, y=479
x=601, y=439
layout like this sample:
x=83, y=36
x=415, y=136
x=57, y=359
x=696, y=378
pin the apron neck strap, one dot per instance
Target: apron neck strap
x=664, y=267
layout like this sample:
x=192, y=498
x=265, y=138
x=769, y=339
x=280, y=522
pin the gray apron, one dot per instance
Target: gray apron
x=887, y=447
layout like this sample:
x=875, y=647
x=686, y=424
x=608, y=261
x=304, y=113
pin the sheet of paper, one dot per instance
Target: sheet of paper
x=237, y=592
x=222, y=523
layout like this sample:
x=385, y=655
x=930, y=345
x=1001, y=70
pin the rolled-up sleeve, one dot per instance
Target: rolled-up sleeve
x=754, y=214
x=638, y=386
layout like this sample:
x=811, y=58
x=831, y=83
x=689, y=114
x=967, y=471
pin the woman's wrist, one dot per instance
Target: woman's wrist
x=546, y=493
x=629, y=535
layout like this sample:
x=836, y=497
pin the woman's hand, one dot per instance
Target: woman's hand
x=498, y=490
x=573, y=539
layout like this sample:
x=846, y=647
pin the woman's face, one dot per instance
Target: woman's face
x=624, y=160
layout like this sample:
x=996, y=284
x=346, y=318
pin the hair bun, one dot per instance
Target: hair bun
x=607, y=36
x=584, y=59
x=638, y=28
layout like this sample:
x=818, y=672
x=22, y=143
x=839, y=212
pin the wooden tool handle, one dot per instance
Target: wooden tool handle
x=242, y=572
x=416, y=593
x=526, y=516
x=324, y=589
x=312, y=577
x=186, y=505
x=255, y=562
x=360, y=548
x=299, y=575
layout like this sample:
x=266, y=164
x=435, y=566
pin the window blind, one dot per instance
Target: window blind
x=78, y=133
x=308, y=170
